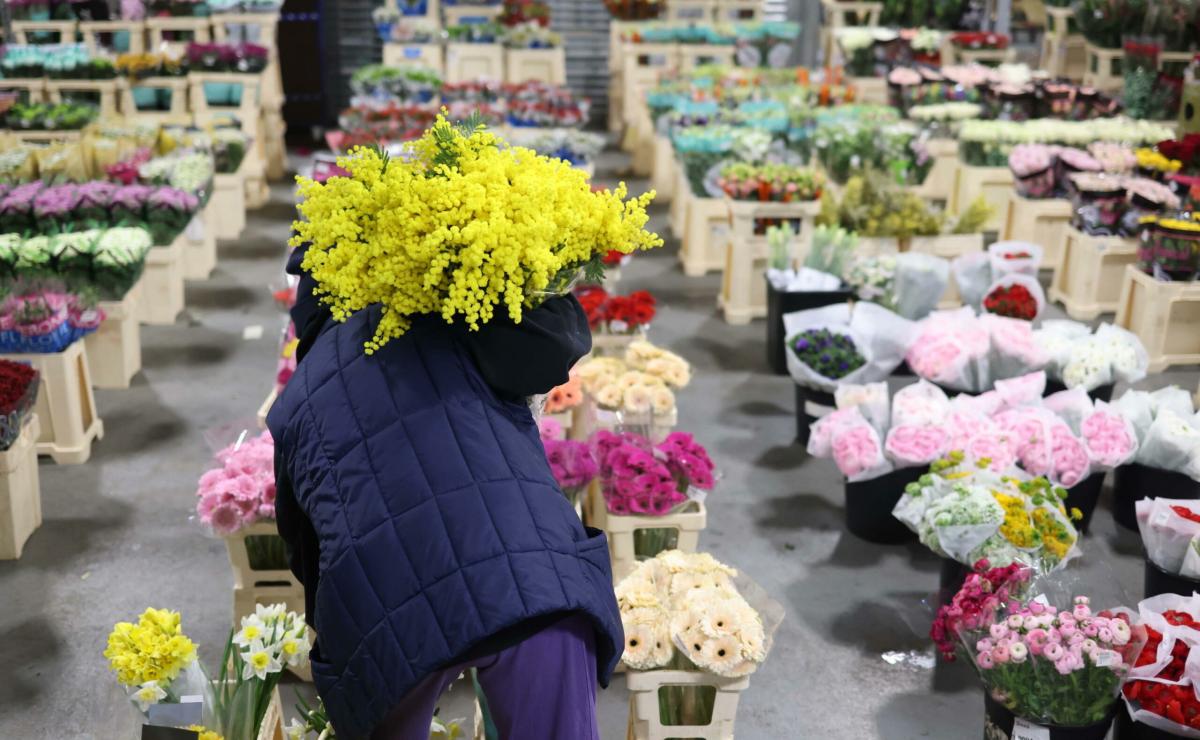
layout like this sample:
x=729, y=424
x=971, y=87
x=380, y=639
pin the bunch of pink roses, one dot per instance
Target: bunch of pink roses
x=1109, y=437
x=641, y=478
x=242, y=490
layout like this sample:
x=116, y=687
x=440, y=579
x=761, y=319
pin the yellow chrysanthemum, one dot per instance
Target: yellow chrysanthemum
x=464, y=226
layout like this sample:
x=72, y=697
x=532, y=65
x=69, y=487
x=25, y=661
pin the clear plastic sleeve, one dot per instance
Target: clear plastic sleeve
x=879, y=335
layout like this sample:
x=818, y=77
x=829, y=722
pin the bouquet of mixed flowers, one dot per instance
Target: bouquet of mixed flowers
x=642, y=478
x=545, y=225
x=1160, y=690
x=687, y=610
x=242, y=490
x=840, y=344
x=18, y=392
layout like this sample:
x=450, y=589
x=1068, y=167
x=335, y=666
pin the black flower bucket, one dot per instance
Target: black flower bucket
x=1100, y=393
x=950, y=580
x=1157, y=581
x=1000, y=721
x=1083, y=496
x=1135, y=481
x=810, y=406
x=782, y=302
x=1127, y=728
x=869, y=505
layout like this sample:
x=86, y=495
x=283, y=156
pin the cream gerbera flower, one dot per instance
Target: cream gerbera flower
x=610, y=396
x=721, y=654
x=639, y=646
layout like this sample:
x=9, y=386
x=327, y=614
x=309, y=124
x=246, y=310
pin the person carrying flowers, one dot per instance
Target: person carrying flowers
x=413, y=490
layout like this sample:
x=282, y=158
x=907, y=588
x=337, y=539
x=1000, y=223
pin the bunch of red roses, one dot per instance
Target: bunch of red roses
x=18, y=391
x=1014, y=301
x=617, y=314
x=1174, y=700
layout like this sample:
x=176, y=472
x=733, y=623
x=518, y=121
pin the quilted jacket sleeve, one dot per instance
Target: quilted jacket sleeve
x=299, y=535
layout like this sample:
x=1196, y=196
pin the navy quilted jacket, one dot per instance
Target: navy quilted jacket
x=438, y=520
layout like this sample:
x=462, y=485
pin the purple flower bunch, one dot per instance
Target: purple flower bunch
x=641, y=478
x=56, y=204
x=95, y=200
x=168, y=211
x=128, y=204
x=16, y=210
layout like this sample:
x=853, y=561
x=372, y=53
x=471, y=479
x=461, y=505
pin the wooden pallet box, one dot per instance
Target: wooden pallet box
x=183, y=29
x=20, y=492
x=689, y=522
x=176, y=87
x=993, y=183
x=743, y=292
x=200, y=248
x=1164, y=315
x=692, y=56
x=540, y=65
x=466, y=62
x=30, y=32
x=939, y=183
x=162, y=284
x=1090, y=275
x=841, y=14
x=1041, y=221
x=93, y=33
x=873, y=90
x=67, y=419
x=32, y=90
x=456, y=15
x=256, y=28
x=106, y=89
x=421, y=55
x=705, y=235
x=662, y=176
x=691, y=11
x=644, y=717
x=228, y=204
x=114, y=351
x=1103, y=68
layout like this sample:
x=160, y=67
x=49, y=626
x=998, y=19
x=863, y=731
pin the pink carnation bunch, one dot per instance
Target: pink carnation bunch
x=1109, y=438
x=914, y=444
x=242, y=490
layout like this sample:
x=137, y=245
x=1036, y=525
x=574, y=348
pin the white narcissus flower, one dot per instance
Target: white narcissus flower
x=259, y=662
x=295, y=646
x=148, y=694
x=253, y=629
x=296, y=730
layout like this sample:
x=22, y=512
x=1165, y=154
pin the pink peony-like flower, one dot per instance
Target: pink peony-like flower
x=912, y=445
x=1108, y=438
x=857, y=450
x=994, y=446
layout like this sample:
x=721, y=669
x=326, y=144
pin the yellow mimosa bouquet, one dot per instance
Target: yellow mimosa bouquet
x=463, y=225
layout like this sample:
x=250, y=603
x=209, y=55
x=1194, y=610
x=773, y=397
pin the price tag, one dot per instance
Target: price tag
x=1106, y=658
x=412, y=52
x=1023, y=729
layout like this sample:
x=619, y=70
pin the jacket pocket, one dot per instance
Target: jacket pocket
x=593, y=550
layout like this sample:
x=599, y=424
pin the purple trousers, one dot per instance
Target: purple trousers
x=543, y=688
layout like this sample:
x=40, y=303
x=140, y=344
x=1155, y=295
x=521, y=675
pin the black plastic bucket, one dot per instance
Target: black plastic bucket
x=1083, y=496
x=869, y=505
x=1101, y=393
x=810, y=406
x=950, y=580
x=1134, y=482
x=781, y=303
x=1157, y=581
x=1128, y=729
x=1002, y=719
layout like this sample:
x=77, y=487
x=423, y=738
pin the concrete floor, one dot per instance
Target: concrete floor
x=851, y=659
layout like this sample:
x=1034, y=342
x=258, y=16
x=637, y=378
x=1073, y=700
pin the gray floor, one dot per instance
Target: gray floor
x=850, y=661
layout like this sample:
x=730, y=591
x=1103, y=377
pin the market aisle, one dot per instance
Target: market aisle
x=850, y=661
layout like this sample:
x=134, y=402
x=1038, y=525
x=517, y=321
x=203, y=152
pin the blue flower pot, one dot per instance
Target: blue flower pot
x=385, y=31
x=146, y=98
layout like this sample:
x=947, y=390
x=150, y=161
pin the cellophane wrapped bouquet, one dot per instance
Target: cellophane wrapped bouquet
x=155, y=663
x=1043, y=650
x=964, y=352
x=1160, y=690
x=18, y=393
x=1167, y=427
x=1079, y=358
x=688, y=611
x=464, y=227
x=240, y=493
x=968, y=512
x=571, y=461
x=844, y=344
x=1171, y=534
x=639, y=385
x=45, y=321
x=1003, y=281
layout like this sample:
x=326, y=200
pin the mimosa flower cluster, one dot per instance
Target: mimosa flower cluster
x=688, y=602
x=465, y=227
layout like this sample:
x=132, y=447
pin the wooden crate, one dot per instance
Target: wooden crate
x=841, y=14
x=1065, y=57
x=681, y=193
x=739, y=10
x=455, y=15
x=421, y=55
x=91, y=31
x=162, y=284
x=114, y=351
x=743, y=291
x=872, y=90
x=272, y=725
x=541, y=65
x=199, y=30
x=228, y=205
x=1164, y=315
x=639, y=139
x=644, y=722
x=273, y=142
x=993, y=183
x=34, y=89
x=177, y=114
x=691, y=11
x=1090, y=274
x=662, y=174
x=643, y=65
x=257, y=28
x=466, y=62
x=47, y=136
x=699, y=55
x=1058, y=21
x=705, y=235
x=66, y=408
x=200, y=247
x=20, y=492
x=248, y=110
x=689, y=522
x=1041, y=221
x=24, y=31
x=107, y=90
x=1102, y=68
x=939, y=183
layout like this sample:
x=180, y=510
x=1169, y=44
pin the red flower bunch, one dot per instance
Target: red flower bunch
x=973, y=607
x=1017, y=255
x=1176, y=703
x=619, y=314
x=15, y=381
x=517, y=12
x=613, y=258
x=1191, y=516
x=1013, y=301
x=1186, y=150
x=980, y=40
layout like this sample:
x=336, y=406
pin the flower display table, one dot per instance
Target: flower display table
x=66, y=409
x=1064, y=51
x=993, y=183
x=691, y=11
x=544, y=65
x=92, y=31
x=256, y=28
x=681, y=193
x=200, y=247
x=872, y=90
x=28, y=32
x=1164, y=315
x=33, y=89
x=228, y=204
x=106, y=89
x=644, y=718
x=176, y=88
x=939, y=183
x=161, y=301
x=422, y=55
x=114, y=351
x=743, y=293
x=456, y=15
x=1102, y=68
x=642, y=65
x=1091, y=271
x=466, y=62
x=662, y=172
x=688, y=523
x=20, y=493
x=1041, y=221
x=739, y=10
x=182, y=29
x=841, y=14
